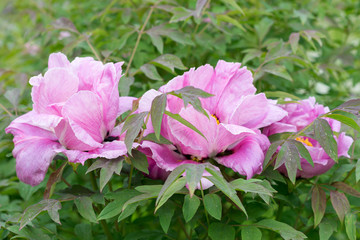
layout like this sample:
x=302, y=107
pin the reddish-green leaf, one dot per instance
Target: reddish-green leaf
x=318, y=203
x=158, y=106
x=324, y=135
x=346, y=189
x=340, y=204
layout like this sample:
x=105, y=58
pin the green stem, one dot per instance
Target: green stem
x=92, y=48
x=206, y=213
x=130, y=175
x=106, y=229
x=92, y=177
x=5, y=109
x=138, y=40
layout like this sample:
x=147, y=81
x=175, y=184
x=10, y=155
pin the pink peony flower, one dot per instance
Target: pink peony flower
x=232, y=132
x=75, y=106
x=300, y=115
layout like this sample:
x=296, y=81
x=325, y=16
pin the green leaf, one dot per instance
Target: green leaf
x=150, y=71
x=173, y=176
x=351, y=104
x=250, y=185
x=180, y=14
x=324, y=135
x=194, y=173
x=263, y=27
x=157, y=110
x=270, y=152
x=140, y=162
x=303, y=151
x=345, y=120
x=251, y=54
x=132, y=126
x=286, y=231
x=357, y=170
x=294, y=41
x=139, y=198
x=221, y=231
x=228, y=19
x=31, y=233
x=346, y=189
x=169, y=62
x=277, y=70
x=108, y=168
x=340, y=203
x=327, y=228
x=250, y=233
x=218, y=180
x=200, y=4
x=50, y=205
x=53, y=179
x=124, y=85
x=280, y=94
x=171, y=190
x=115, y=207
x=83, y=231
x=151, y=137
x=128, y=211
x=289, y=155
x=192, y=91
x=114, y=166
x=234, y=5
x=156, y=41
x=191, y=204
x=318, y=203
x=149, y=189
x=350, y=225
x=85, y=208
x=166, y=212
x=213, y=206
x=180, y=119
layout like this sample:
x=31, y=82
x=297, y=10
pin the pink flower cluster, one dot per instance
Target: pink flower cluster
x=299, y=116
x=76, y=104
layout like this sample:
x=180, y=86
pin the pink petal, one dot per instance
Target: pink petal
x=88, y=71
x=110, y=150
x=54, y=88
x=240, y=85
x=84, y=111
x=224, y=71
x=146, y=100
x=67, y=138
x=274, y=114
x=279, y=127
x=125, y=104
x=247, y=157
x=251, y=112
x=344, y=143
x=58, y=60
x=44, y=121
x=164, y=155
x=188, y=140
x=34, y=150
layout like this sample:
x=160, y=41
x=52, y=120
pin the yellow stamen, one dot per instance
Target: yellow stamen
x=304, y=140
x=217, y=120
x=196, y=159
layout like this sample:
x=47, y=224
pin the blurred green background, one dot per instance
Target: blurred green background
x=303, y=47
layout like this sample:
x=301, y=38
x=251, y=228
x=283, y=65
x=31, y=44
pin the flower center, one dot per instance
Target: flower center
x=216, y=118
x=304, y=140
x=195, y=158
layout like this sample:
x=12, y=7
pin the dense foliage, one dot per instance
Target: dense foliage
x=295, y=49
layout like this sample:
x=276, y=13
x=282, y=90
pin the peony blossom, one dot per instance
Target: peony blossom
x=75, y=106
x=300, y=115
x=232, y=132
